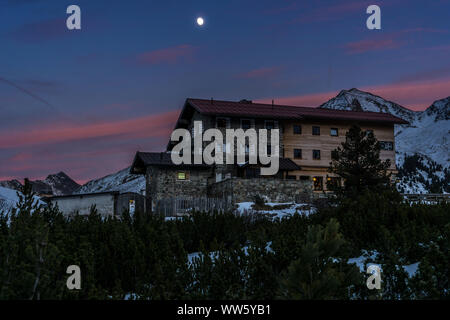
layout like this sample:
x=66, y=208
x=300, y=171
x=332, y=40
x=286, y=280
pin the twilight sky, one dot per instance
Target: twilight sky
x=85, y=101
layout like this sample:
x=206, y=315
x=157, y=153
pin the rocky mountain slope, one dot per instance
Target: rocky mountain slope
x=55, y=184
x=121, y=181
x=422, y=146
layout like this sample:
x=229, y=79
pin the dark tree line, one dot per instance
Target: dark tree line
x=238, y=257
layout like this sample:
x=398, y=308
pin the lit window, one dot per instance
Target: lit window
x=334, y=132
x=318, y=183
x=181, y=176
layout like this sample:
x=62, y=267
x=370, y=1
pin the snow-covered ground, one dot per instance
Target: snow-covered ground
x=9, y=199
x=370, y=258
x=276, y=210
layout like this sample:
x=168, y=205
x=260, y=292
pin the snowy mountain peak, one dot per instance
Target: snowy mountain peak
x=357, y=100
x=55, y=184
x=422, y=146
x=61, y=184
x=440, y=109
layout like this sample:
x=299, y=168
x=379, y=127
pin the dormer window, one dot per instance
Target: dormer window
x=246, y=124
x=222, y=123
x=269, y=124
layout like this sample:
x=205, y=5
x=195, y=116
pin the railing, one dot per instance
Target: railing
x=171, y=207
x=430, y=198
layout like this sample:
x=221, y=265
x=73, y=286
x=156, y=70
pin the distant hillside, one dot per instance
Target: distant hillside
x=121, y=181
x=55, y=184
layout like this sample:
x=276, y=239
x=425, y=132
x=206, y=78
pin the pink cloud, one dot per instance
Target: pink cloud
x=259, y=73
x=388, y=40
x=371, y=45
x=331, y=12
x=167, y=55
x=413, y=95
x=146, y=126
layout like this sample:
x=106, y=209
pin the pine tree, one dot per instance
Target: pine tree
x=318, y=273
x=357, y=162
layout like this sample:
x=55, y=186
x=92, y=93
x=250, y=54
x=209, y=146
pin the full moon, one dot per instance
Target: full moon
x=200, y=21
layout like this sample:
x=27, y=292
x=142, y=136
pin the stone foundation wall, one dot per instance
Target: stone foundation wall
x=162, y=183
x=273, y=190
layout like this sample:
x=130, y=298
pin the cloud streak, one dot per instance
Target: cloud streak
x=259, y=73
x=167, y=55
x=147, y=126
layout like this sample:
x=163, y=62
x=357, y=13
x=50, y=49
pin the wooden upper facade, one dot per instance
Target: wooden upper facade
x=307, y=135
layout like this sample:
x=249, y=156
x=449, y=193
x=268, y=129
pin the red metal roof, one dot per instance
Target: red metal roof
x=230, y=108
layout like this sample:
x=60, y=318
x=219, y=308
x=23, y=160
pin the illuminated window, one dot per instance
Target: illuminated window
x=333, y=183
x=318, y=183
x=334, y=132
x=182, y=176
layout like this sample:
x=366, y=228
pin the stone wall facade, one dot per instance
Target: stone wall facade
x=273, y=190
x=162, y=183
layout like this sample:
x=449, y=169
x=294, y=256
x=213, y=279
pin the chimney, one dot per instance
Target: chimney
x=212, y=100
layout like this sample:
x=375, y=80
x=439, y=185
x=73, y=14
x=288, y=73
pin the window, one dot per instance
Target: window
x=269, y=124
x=318, y=183
x=316, y=154
x=246, y=124
x=182, y=175
x=305, y=178
x=316, y=131
x=252, y=173
x=334, y=155
x=288, y=177
x=334, y=132
x=297, y=153
x=387, y=145
x=369, y=131
x=226, y=148
x=222, y=123
x=333, y=183
x=297, y=129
